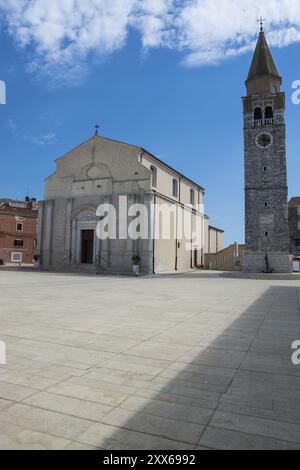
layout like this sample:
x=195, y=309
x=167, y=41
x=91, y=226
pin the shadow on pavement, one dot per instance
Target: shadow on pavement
x=235, y=388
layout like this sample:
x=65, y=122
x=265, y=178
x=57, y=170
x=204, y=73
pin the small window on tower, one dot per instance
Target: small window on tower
x=266, y=234
x=266, y=204
x=257, y=115
x=265, y=169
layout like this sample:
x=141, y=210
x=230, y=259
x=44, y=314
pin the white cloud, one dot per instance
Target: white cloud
x=44, y=139
x=213, y=30
x=61, y=37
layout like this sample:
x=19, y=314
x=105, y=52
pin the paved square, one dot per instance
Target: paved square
x=175, y=362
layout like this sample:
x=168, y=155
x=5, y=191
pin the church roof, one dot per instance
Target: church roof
x=140, y=149
x=172, y=169
x=263, y=62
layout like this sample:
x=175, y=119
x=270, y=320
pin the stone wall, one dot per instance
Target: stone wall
x=229, y=259
x=255, y=262
x=294, y=226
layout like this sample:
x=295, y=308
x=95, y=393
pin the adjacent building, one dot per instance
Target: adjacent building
x=266, y=191
x=108, y=173
x=18, y=231
x=215, y=240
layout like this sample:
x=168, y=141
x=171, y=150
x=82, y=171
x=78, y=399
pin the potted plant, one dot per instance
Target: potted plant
x=36, y=260
x=136, y=264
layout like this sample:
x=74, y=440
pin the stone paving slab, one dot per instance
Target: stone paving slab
x=224, y=439
x=186, y=361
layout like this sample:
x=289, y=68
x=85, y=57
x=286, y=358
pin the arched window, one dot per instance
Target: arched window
x=192, y=197
x=269, y=114
x=175, y=188
x=258, y=114
x=154, y=176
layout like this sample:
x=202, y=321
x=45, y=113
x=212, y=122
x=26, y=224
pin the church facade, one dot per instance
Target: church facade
x=266, y=191
x=101, y=174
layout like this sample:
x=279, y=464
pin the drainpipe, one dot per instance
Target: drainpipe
x=176, y=247
x=192, y=251
x=153, y=241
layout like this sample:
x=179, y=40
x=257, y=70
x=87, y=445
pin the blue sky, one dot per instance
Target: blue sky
x=189, y=116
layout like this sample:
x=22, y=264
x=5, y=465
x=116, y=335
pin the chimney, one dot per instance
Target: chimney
x=33, y=203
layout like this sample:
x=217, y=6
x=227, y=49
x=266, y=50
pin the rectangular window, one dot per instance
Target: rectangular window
x=298, y=226
x=154, y=176
x=18, y=243
x=297, y=242
x=16, y=257
x=19, y=227
x=298, y=210
x=175, y=188
x=192, y=197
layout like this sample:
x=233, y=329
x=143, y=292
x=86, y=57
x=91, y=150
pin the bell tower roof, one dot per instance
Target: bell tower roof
x=262, y=62
x=263, y=76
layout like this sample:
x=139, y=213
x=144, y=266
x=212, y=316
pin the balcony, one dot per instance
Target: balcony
x=263, y=122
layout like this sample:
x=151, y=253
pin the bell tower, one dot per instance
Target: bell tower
x=266, y=192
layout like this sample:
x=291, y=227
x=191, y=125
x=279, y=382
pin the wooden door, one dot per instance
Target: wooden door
x=87, y=246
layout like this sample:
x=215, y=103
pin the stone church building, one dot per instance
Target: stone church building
x=266, y=191
x=103, y=171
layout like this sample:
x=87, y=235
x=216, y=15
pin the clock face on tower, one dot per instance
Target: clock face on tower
x=264, y=140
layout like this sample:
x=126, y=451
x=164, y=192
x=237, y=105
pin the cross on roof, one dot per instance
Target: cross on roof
x=97, y=127
x=261, y=20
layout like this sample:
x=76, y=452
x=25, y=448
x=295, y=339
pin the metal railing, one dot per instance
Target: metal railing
x=263, y=122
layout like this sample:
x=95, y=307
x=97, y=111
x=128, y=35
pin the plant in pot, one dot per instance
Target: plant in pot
x=136, y=264
x=36, y=260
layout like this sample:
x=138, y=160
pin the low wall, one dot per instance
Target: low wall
x=229, y=259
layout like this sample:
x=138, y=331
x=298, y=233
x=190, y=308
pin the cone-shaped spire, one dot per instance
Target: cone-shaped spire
x=263, y=75
x=262, y=63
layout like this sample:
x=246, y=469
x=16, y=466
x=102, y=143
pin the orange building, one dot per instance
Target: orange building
x=18, y=231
